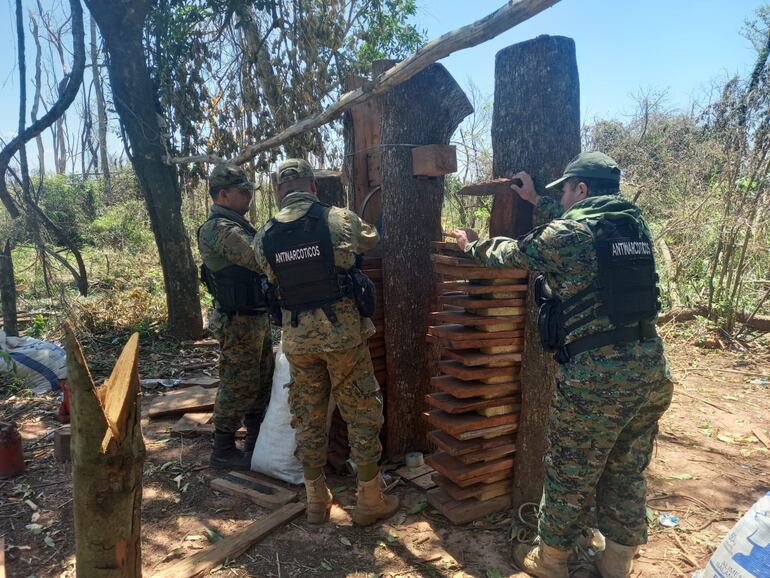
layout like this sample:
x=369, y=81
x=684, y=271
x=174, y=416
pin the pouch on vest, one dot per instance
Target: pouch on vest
x=364, y=292
x=549, y=317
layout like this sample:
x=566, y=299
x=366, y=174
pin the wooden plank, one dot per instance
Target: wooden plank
x=412, y=473
x=468, y=423
x=201, y=380
x=501, y=323
x=477, y=289
x=490, y=187
x=489, y=432
x=190, y=422
x=424, y=482
x=480, y=303
x=517, y=343
x=434, y=160
x=488, y=455
x=472, y=358
x=190, y=400
x=479, y=272
x=446, y=246
x=466, y=474
x=463, y=389
x=261, y=493
x=459, y=448
x=460, y=260
x=457, y=369
x=451, y=404
x=200, y=563
x=462, y=512
x=458, y=332
x=480, y=491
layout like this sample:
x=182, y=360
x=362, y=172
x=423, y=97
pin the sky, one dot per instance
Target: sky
x=623, y=47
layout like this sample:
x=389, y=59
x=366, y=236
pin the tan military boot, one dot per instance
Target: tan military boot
x=319, y=500
x=372, y=504
x=541, y=560
x=617, y=560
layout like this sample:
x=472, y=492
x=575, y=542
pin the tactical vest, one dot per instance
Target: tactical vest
x=302, y=256
x=236, y=289
x=625, y=291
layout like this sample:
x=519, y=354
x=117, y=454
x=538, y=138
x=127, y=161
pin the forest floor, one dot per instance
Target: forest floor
x=709, y=467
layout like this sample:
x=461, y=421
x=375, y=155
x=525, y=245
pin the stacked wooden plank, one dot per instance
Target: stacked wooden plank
x=476, y=406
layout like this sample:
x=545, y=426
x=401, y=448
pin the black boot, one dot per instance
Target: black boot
x=252, y=421
x=224, y=454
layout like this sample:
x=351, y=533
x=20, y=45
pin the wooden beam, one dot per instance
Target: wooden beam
x=513, y=13
x=202, y=562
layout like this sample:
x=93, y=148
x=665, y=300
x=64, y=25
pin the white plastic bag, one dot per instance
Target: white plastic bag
x=39, y=363
x=745, y=551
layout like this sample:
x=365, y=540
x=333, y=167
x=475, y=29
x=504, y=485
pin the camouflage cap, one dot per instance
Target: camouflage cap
x=292, y=169
x=593, y=165
x=227, y=175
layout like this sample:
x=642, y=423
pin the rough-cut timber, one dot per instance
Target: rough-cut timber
x=424, y=110
x=434, y=160
x=535, y=127
x=107, y=461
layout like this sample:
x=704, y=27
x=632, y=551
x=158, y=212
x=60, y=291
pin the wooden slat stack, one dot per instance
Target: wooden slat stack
x=476, y=406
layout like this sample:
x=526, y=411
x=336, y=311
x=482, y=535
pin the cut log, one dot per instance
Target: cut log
x=451, y=404
x=463, y=389
x=257, y=489
x=231, y=547
x=61, y=444
x=189, y=400
x=434, y=160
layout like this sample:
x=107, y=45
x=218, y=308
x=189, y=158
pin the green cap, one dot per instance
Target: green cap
x=292, y=169
x=227, y=175
x=592, y=165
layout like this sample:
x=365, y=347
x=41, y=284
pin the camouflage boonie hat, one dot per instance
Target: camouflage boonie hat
x=292, y=169
x=592, y=165
x=227, y=175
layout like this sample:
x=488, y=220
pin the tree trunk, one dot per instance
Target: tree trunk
x=8, y=291
x=426, y=109
x=101, y=113
x=535, y=127
x=121, y=26
x=107, y=462
x=38, y=88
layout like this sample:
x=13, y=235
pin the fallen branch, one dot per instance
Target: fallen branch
x=685, y=552
x=513, y=13
x=700, y=399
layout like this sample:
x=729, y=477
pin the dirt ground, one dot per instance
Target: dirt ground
x=709, y=467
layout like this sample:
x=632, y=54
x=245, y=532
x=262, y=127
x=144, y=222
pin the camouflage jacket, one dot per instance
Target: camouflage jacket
x=350, y=236
x=563, y=249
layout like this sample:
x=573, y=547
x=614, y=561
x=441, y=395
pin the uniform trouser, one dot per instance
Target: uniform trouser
x=245, y=368
x=349, y=375
x=603, y=423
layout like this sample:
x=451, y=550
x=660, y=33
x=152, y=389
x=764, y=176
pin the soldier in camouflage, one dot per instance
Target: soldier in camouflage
x=307, y=250
x=239, y=319
x=613, y=383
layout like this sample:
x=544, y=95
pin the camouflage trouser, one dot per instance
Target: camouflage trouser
x=604, y=419
x=245, y=368
x=349, y=375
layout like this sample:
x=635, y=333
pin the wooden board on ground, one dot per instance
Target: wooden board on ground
x=259, y=490
x=451, y=404
x=457, y=369
x=462, y=512
x=460, y=448
x=472, y=303
x=412, y=473
x=463, y=389
x=189, y=400
x=464, y=272
x=200, y=563
x=464, y=287
x=190, y=422
x=473, y=358
x=503, y=322
x=470, y=425
x=479, y=491
x=458, y=332
x=466, y=474
x=424, y=482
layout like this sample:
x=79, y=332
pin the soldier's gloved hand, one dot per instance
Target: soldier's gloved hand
x=463, y=237
x=527, y=189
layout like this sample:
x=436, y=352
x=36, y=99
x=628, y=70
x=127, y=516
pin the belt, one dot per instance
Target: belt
x=642, y=331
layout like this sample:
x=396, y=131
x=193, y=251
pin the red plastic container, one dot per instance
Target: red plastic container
x=11, y=452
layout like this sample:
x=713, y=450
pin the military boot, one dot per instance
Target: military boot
x=252, y=422
x=541, y=560
x=617, y=560
x=372, y=504
x=319, y=500
x=224, y=454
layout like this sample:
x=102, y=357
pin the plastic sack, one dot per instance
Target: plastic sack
x=39, y=363
x=745, y=551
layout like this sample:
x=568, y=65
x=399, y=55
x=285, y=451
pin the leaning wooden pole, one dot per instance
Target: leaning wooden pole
x=535, y=127
x=107, y=462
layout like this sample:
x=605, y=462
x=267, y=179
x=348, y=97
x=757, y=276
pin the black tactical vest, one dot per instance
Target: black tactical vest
x=235, y=288
x=625, y=291
x=302, y=257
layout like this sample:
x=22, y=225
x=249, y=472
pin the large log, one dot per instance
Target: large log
x=535, y=127
x=107, y=461
x=424, y=110
x=8, y=291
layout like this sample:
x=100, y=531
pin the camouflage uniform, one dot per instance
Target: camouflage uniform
x=328, y=357
x=605, y=411
x=246, y=358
